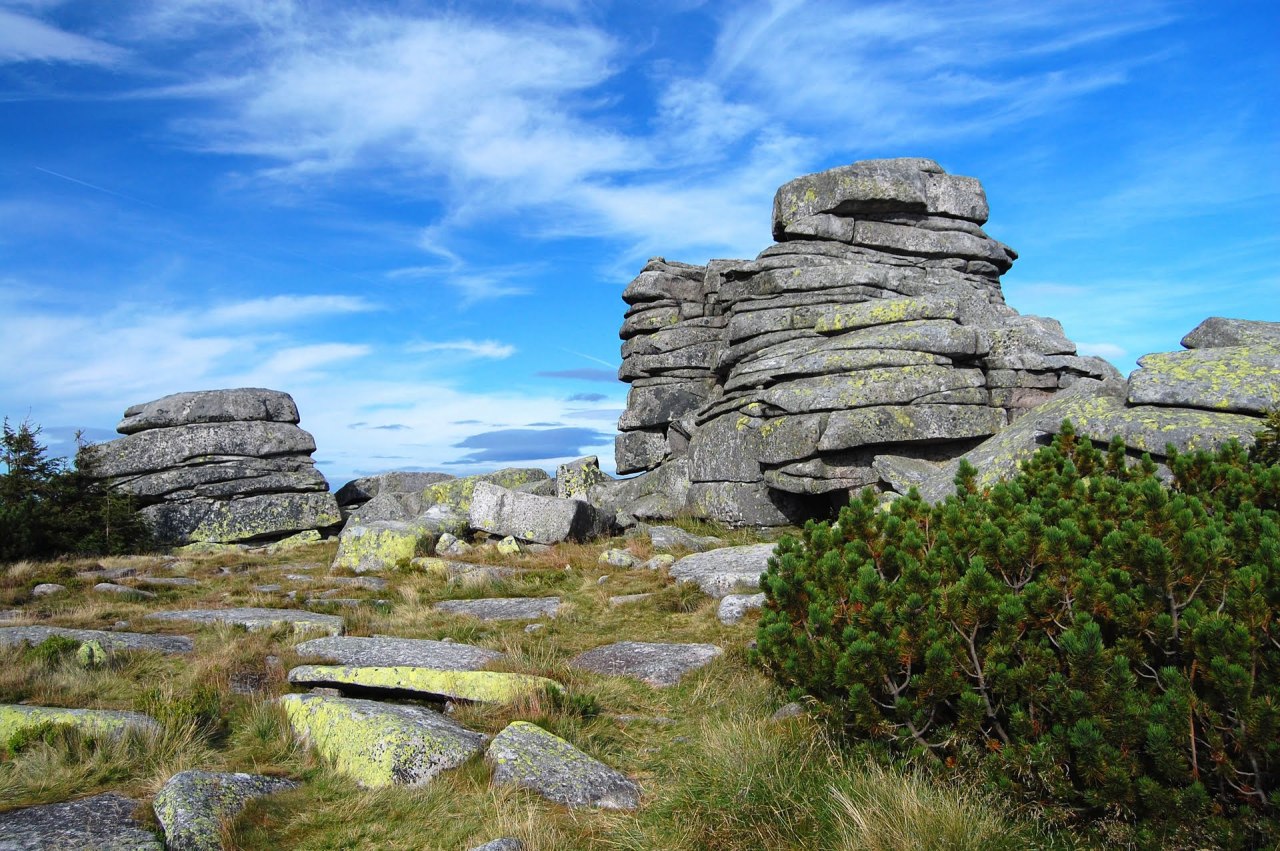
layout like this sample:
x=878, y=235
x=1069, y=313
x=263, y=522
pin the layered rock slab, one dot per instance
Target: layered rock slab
x=380, y=744
x=539, y=519
x=218, y=466
x=192, y=805
x=502, y=608
x=726, y=570
x=33, y=635
x=526, y=755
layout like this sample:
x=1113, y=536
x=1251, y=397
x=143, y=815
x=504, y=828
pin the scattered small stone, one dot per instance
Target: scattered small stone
x=790, y=710
x=528, y=756
x=268, y=589
x=538, y=549
x=503, y=608
x=44, y=589
x=618, y=558
x=122, y=590
x=535, y=627
x=380, y=744
x=293, y=542
x=110, y=640
x=192, y=805
x=603, y=579
x=734, y=607
x=102, y=821
x=450, y=545
x=509, y=546
x=660, y=562
x=255, y=619
x=659, y=665
x=627, y=599
x=91, y=655
x=384, y=650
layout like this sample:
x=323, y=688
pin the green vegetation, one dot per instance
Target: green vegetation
x=48, y=509
x=1091, y=641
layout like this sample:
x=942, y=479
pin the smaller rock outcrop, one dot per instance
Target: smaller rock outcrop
x=102, y=821
x=220, y=466
x=658, y=664
x=528, y=756
x=192, y=805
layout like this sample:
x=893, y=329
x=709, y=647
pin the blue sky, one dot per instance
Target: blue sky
x=418, y=218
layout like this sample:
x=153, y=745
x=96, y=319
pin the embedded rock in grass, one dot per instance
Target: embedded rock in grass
x=304, y=538
x=433, y=684
x=255, y=619
x=463, y=571
x=505, y=844
x=192, y=805
x=618, y=558
x=167, y=581
x=527, y=756
x=726, y=570
x=102, y=822
x=673, y=537
x=380, y=744
x=112, y=723
x=44, y=589
x=503, y=608
x=627, y=599
x=122, y=590
x=659, y=665
x=734, y=607
x=33, y=635
x=540, y=519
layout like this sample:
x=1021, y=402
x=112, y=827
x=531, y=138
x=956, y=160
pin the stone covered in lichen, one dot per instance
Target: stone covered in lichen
x=102, y=822
x=254, y=619
x=434, y=684
x=377, y=545
x=1235, y=379
x=192, y=805
x=112, y=723
x=528, y=756
x=111, y=641
x=657, y=664
x=380, y=744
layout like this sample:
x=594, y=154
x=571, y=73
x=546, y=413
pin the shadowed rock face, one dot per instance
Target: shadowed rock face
x=875, y=325
x=219, y=466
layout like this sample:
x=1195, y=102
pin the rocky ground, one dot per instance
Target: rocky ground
x=578, y=697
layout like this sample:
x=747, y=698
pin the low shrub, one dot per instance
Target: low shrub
x=1086, y=636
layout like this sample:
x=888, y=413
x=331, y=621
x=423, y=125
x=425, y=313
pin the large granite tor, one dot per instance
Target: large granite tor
x=219, y=466
x=875, y=325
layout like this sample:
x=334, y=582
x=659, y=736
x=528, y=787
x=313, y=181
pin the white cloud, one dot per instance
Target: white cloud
x=471, y=348
x=281, y=309
x=1110, y=351
x=27, y=39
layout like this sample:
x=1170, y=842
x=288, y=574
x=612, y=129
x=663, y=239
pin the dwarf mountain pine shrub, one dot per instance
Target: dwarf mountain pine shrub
x=49, y=509
x=1086, y=636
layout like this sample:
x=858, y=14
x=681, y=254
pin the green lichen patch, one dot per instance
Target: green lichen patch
x=476, y=686
x=16, y=720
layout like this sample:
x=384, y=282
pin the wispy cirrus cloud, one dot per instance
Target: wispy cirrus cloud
x=28, y=39
x=468, y=348
x=283, y=309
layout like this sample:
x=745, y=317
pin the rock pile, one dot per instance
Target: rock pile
x=219, y=466
x=763, y=390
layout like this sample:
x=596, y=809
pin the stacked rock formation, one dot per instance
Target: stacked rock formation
x=219, y=466
x=875, y=325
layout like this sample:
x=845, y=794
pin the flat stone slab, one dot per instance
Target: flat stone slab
x=627, y=599
x=98, y=822
x=122, y=590
x=734, y=607
x=255, y=619
x=503, y=608
x=474, y=686
x=507, y=843
x=167, y=581
x=192, y=805
x=380, y=744
x=658, y=665
x=1236, y=379
x=528, y=756
x=673, y=537
x=112, y=723
x=726, y=570
x=386, y=651
x=33, y=635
